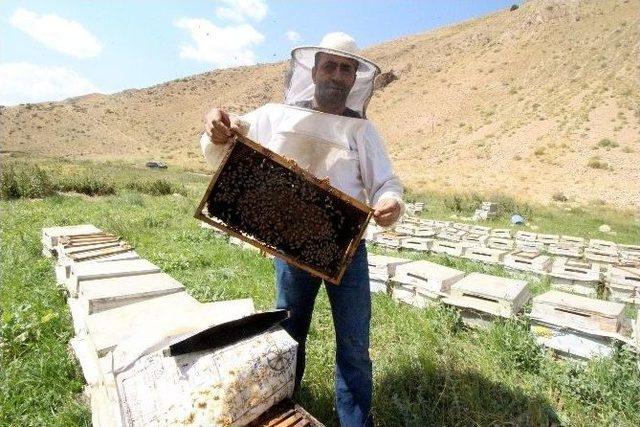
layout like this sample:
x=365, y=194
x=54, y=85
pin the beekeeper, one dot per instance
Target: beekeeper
x=322, y=125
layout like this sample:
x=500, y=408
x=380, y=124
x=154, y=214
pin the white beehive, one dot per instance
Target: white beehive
x=381, y=268
x=480, y=295
x=579, y=241
x=98, y=295
x=578, y=312
x=91, y=270
x=604, y=255
x=548, y=238
x=526, y=236
x=420, y=283
x=500, y=243
x=565, y=249
x=623, y=284
x=387, y=240
x=571, y=276
x=449, y=248
x=503, y=233
x=451, y=234
x=531, y=261
x=420, y=244
x=486, y=255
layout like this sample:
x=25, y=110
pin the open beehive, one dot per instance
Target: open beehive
x=270, y=202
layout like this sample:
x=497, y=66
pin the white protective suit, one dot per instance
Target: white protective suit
x=347, y=150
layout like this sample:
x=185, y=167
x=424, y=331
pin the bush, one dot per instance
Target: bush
x=513, y=345
x=24, y=181
x=508, y=206
x=158, y=187
x=607, y=143
x=462, y=203
x=596, y=163
x=559, y=197
x=513, y=7
x=91, y=186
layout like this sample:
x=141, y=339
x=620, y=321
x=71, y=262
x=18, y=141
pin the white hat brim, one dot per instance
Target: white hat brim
x=305, y=55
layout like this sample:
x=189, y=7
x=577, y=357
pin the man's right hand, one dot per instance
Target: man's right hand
x=219, y=125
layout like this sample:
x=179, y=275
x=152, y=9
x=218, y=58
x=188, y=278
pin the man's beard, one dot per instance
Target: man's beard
x=328, y=94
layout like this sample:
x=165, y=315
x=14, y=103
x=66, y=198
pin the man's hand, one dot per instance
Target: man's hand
x=219, y=125
x=386, y=212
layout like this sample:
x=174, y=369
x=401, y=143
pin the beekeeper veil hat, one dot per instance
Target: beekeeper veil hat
x=299, y=86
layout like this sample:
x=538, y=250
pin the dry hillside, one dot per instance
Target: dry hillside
x=532, y=102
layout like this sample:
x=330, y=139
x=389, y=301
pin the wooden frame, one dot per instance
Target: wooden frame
x=322, y=184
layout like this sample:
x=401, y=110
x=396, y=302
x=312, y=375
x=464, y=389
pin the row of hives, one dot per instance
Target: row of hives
x=593, y=268
x=572, y=325
x=153, y=355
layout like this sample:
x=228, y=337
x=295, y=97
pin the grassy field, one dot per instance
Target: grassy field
x=428, y=369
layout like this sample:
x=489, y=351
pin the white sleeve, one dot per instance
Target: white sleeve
x=376, y=170
x=258, y=126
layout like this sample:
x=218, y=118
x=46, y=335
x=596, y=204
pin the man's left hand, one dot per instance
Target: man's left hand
x=386, y=212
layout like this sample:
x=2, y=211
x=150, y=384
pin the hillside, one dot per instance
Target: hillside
x=531, y=102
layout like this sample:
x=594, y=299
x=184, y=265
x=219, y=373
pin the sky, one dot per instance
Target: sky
x=53, y=50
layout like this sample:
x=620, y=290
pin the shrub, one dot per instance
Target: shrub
x=559, y=197
x=513, y=7
x=508, y=206
x=462, y=203
x=89, y=185
x=539, y=151
x=513, y=345
x=158, y=187
x=596, y=163
x=607, y=143
x=24, y=181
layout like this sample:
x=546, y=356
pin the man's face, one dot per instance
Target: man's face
x=334, y=77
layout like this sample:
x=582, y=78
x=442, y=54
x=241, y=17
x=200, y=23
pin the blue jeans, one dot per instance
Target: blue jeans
x=350, y=301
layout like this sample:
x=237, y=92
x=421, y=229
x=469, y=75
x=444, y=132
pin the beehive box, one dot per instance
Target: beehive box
x=504, y=233
x=270, y=202
x=475, y=238
x=531, y=261
x=63, y=268
x=578, y=277
x=602, y=254
x=480, y=295
x=50, y=235
x=623, y=284
x=529, y=245
x=451, y=234
x=548, y=238
x=428, y=276
x=449, y=248
x=500, y=243
x=526, y=236
x=98, y=295
x=406, y=229
x=577, y=312
x=421, y=244
x=286, y=414
x=572, y=344
x=603, y=245
x=387, y=240
x=486, y=255
x=381, y=268
x=91, y=270
x=425, y=231
x=579, y=241
x=565, y=249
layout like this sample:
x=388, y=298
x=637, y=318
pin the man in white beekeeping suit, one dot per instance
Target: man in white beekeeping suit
x=322, y=125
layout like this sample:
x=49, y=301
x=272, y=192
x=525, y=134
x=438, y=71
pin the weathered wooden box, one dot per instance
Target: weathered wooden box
x=500, y=243
x=623, y=284
x=90, y=270
x=451, y=234
x=578, y=277
x=565, y=249
x=387, y=240
x=572, y=344
x=580, y=313
x=486, y=255
x=449, y=248
x=532, y=261
x=98, y=295
x=50, y=235
x=479, y=295
x=381, y=268
x=602, y=255
x=420, y=244
x=503, y=233
x=427, y=276
x=272, y=203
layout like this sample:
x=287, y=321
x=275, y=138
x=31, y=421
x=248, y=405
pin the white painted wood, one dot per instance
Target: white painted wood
x=104, y=294
x=578, y=312
x=427, y=276
x=50, y=235
x=498, y=296
x=91, y=270
x=485, y=255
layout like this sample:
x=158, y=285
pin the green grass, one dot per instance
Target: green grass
x=428, y=369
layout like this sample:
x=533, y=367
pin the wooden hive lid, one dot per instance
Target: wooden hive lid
x=494, y=287
x=427, y=270
x=384, y=260
x=580, y=304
